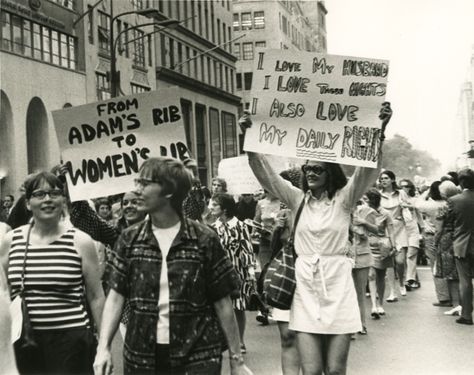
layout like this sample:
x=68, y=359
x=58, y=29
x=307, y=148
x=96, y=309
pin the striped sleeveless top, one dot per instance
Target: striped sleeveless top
x=54, y=286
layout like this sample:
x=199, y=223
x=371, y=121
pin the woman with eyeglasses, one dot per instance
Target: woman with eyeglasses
x=324, y=312
x=55, y=266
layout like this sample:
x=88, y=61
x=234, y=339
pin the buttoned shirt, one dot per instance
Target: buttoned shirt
x=199, y=273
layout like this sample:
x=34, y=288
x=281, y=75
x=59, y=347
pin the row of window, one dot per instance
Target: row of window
x=246, y=84
x=245, y=21
x=70, y=4
x=206, y=24
x=221, y=136
x=30, y=39
x=132, y=37
x=185, y=60
x=103, y=87
x=297, y=38
x=245, y=51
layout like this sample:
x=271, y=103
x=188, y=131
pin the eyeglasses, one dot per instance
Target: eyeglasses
x=145, y=182
x=133, y=202
x=41, y=194
x=316, y=169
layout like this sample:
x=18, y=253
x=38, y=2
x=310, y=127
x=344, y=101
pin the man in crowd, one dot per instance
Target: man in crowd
x=462, y=209
x=177, y=280
x=7, y=207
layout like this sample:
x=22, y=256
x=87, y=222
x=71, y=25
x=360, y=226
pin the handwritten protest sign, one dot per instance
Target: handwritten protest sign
x=239, y=177
x=103, y=144
x=317, y=106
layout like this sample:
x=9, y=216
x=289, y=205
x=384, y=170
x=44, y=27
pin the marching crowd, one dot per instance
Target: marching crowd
x=174, y=266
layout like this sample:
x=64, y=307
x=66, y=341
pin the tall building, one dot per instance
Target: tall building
x=42, y=69
x=56, y=53
x=465, y=119
x=197, y=57
x=294, y=25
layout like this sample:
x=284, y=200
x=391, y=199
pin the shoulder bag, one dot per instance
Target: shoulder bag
x=280, y=281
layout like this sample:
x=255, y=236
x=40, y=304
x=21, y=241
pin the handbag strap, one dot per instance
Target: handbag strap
x=23, y=272
x=297, y=218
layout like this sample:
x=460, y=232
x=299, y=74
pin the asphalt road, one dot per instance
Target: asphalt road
x=414, y=338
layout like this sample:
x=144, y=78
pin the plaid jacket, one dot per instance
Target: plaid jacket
x=199, y=274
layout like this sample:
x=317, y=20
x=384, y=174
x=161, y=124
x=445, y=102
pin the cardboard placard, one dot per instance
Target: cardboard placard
x=103, y=144
x=317, y=106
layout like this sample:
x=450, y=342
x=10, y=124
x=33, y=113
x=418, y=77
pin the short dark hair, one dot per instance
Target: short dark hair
x=227, y=203
x=374, y=197
x=10, y=196
x=175, y=178
x=454, y=177
x=466, y=178
x=33, y=182
x=336, y=179
x=102, y=202
x=434, y=191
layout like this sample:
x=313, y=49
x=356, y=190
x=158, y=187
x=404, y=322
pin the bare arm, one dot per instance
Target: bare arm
x=225, y=313
x=5, y=244
x=90, y=271
x=110, y=319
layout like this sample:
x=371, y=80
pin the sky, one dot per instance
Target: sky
x=428, y=44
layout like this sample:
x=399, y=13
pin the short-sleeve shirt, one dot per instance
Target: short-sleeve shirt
x=199, y=273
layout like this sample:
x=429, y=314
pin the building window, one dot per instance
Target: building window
x=171, y=52
x=188, y=62
x=16, y=34
x=180, y=57
x=229, y=135
x=260, y=44
x=150, y=50
x=236, y=22
x=138, y=89
x=232, y=80
x=246, y=21
x=103, y=32
x=214, y=134
x=259, y=20
x=247, y=51
x=66, y=3
x=221, y=78
x=226, y=78
x=27, y=38
x=90, y=24
x=126, y=45
x=6, y=31
x=187, y=112
x=201, y=150
x=137, y=4
x=139, y=48
x=103, y=86
x=284, y=25
x=46, y=43
x=37, y=41
x=238, y=81
x=248, y=81
x=237, y=50
x=218, y=31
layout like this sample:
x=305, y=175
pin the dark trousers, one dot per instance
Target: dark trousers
x=65, y=351
x=163, y=365
x=465, y=268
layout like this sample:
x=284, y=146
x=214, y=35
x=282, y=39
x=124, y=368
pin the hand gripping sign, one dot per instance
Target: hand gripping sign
x=103, y=144
x=317, y=106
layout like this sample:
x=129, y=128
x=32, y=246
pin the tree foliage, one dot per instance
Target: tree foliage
x=405, y=161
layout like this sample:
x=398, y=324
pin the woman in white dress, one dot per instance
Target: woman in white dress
x=324, y=311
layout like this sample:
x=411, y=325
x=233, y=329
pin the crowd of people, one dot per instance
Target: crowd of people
x=175, y=266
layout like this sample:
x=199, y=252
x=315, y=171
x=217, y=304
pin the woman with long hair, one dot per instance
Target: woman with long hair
x=391, y=200
x=235, y=239
x=324, y=310
x=55, y=267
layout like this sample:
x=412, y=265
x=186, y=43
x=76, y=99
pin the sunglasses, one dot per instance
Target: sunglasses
x=41, y=194
x=316, y=169
x=145, y=182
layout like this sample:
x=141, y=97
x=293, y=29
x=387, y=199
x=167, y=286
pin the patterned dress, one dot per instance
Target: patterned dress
x=235, y=239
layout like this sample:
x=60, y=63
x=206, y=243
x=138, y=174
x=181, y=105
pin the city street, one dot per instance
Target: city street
x=413, y=338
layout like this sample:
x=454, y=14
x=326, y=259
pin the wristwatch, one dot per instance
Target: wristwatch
x=236, y=358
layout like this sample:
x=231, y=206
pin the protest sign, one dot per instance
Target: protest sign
x=317, y=106
x=103, y=144
x=239, y=176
